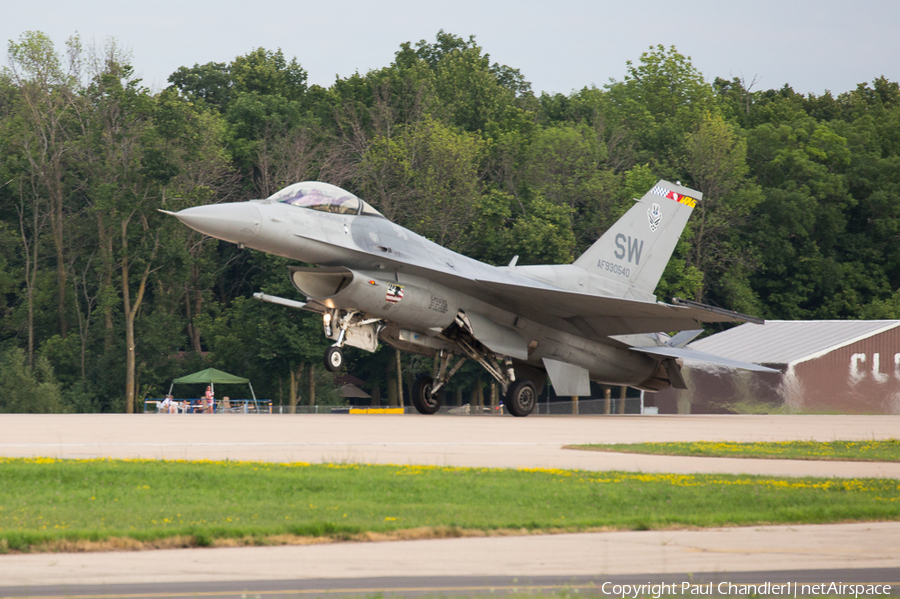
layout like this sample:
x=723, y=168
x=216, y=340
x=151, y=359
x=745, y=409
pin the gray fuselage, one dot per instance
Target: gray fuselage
x=386, y=253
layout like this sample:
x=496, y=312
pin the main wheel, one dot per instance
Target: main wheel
x=521, y=398
x=334, y=358
x=422, y=399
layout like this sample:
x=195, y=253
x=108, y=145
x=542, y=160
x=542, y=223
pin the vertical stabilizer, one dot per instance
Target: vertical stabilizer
x=636, y=249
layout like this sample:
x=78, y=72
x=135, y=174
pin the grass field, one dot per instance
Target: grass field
x=860, y=451
x=48, y=504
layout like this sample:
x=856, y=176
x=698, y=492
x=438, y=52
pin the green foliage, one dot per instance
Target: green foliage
x=563, y=164
x=661, y=100
x=544, y=235
x=47, y=500
x=27, y=390
x=34, y=59
x=8, y=277
x=425, y=178
x=799, y=217
x=471, y=93
x=261, y=72
x=268, y=73
x=209, y=83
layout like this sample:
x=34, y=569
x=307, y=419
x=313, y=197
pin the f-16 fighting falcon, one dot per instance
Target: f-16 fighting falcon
x=595, y=319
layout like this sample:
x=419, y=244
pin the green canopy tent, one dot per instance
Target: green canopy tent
x=211, y=376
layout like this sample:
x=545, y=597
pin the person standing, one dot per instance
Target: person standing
x=210, y=400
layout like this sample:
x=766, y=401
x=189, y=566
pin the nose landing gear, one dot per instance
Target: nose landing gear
x=351, y=328
x=334, y=358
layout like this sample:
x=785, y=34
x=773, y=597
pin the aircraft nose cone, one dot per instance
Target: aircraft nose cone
x=237, y=222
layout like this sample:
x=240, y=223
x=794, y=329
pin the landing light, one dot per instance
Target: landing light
x=327, y=318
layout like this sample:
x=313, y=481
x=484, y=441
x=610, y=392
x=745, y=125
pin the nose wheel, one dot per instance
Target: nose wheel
x=334, y=358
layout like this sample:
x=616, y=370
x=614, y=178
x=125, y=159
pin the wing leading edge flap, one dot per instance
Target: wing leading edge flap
x=698, y=356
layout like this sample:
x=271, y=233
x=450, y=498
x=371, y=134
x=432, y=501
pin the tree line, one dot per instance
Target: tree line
x=104, y=299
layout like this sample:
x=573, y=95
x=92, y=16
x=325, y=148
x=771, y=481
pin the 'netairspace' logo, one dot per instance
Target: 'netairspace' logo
x=786, y=589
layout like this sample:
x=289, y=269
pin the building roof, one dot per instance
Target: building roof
x=212, y=375
x=351, y=390
x=789, y=341
x=346, y=378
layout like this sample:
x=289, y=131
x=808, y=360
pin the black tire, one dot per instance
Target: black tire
x=334, y=359
x=422, y=398
x=521, y=398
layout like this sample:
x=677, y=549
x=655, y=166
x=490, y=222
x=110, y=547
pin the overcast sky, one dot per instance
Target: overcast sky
x=560, y=46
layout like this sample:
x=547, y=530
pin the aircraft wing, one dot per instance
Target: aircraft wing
x=598, y=316
x=595, y=317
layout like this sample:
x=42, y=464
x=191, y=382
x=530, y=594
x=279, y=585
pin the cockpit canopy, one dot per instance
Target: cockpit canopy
x=324, y=197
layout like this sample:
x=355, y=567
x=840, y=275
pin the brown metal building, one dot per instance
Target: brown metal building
x=838, y=366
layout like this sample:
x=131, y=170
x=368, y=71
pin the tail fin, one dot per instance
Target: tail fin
x=636, y=249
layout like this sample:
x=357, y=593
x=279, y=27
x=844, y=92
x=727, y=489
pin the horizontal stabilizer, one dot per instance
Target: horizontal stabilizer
x=698, y=356
x=684, y=337
x=737, y=316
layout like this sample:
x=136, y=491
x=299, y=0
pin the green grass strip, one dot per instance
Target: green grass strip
x=45, y=500
x=859, y=451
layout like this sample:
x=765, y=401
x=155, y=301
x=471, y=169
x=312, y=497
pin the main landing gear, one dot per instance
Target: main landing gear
x=423, y=397
x=521, y=395
x=353, y=328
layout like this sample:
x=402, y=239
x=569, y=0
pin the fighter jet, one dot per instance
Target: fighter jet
x=596, y=319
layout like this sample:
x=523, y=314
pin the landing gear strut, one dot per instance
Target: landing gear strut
x=426, y=391
x=521, y=397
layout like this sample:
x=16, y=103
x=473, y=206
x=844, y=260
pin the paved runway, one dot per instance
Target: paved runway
x=479, y=441
x=461, y=441
x=769, y=548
